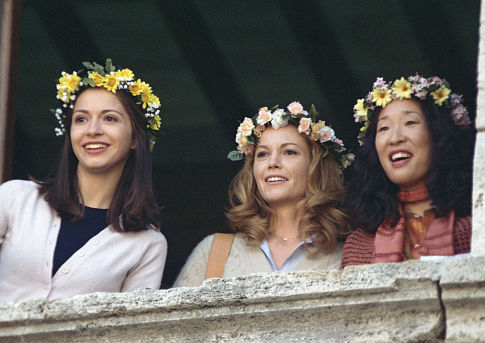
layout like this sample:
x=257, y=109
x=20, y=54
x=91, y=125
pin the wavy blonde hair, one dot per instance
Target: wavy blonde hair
x=323, y=221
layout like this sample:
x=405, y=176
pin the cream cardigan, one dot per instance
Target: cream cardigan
x=108, y=262
x=245, y=259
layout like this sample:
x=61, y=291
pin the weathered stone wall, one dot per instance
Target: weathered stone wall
x=478, y=243
x=407, y=302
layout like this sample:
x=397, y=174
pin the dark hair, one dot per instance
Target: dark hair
x=133, y=207
x=372, y=197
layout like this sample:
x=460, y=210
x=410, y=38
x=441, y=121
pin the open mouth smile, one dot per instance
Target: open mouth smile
x=400, y=156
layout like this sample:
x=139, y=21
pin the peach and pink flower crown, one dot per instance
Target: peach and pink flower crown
x=111, y=79
x=251, y=129
x=415, y=86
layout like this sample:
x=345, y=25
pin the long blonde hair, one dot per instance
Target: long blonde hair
x=323, y=221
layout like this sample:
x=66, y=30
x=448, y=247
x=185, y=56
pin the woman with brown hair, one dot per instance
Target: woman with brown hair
x=284, y=201
x=94, y=226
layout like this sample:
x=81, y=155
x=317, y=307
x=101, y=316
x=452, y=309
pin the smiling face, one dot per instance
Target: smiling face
x=403, y=144
x=281, y=163
x=101, y=133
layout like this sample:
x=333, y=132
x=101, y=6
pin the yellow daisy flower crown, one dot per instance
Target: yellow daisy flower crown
x=251, y=129
x=95, y=75
x=433, y=88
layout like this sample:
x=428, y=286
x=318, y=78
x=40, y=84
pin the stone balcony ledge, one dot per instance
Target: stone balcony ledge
x=402, y=302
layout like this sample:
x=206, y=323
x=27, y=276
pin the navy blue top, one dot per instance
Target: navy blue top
x=72, y=236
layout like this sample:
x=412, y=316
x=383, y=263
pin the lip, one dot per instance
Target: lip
x=277, y=179
x=95, y=147
x=400, y=153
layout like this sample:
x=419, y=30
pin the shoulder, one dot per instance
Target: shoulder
x=193, y=272
x=18, y=186
x=148, y=237
x=358, y=248
x=19, y=193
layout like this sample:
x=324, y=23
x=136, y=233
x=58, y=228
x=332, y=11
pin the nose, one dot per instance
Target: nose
x=94, y=127
x=397, y=135
x=274, y=161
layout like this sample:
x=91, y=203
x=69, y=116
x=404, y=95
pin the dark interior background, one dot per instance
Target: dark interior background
x=212, y=62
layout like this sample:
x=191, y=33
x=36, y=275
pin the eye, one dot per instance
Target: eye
x=79, y=119
x=261, y=154
x=382, y=128
x=111, y=118
x=410, y=122
x=290, y=152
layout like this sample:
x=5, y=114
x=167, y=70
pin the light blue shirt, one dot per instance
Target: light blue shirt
x=291, y=261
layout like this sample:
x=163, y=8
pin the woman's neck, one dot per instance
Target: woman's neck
x=287, y=222
x=97, y=190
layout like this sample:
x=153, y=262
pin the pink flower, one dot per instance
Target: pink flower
x=304, y=126
x=246, y=127
x=339, y=142
x=246, y=149
x=380, y=83
x=295, y=108
x=326, y=134
x=264, y=116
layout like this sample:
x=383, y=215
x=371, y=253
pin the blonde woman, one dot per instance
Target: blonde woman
x=284, y=201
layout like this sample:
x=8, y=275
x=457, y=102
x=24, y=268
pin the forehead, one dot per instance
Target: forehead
x=400, y=107
x=93, y=97
x=283, y=135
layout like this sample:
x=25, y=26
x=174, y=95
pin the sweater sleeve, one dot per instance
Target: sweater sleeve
x=358, y=248
x=149, y=271
x=462, y=235
x=193, y=272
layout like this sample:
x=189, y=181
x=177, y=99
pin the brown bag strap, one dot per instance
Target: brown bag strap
x=221, y=246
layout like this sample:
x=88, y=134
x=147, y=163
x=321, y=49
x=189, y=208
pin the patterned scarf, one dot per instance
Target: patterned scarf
x=389, y=241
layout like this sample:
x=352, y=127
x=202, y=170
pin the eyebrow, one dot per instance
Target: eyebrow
x=102, y=112
x=282, y=145
x=405, y=112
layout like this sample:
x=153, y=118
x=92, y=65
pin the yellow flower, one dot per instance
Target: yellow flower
x=155, y=123
x=257, y=133
x=97, y=78
x=402, y=88
x=440, y=95
x=381, y=96
x=145, y=88
x=125, y=74
x=145, y=99
x=360, y=110
x=136, y=88
x=153, y=99
x=63, y=94
x=70, y=81
x=316, y=127
x=111, y=83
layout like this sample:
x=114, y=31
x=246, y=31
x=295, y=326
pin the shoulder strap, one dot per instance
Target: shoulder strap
x=221, y=246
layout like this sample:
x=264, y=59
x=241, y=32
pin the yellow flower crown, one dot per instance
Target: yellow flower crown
x=433, y=88
x=95, y=75
x=251, y=129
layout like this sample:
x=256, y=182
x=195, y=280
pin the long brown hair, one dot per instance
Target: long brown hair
x=133, y=207
x=323, y=220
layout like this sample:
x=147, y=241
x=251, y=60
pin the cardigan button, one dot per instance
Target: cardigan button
x=65, y=270
x=81, y=254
